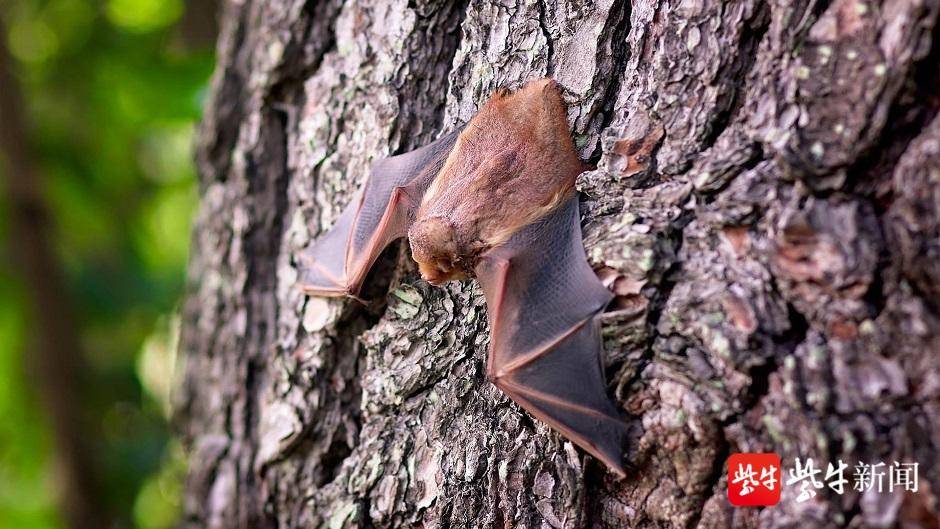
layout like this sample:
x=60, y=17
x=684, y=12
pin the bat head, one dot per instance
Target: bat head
x=513, y=164
x=434, y=247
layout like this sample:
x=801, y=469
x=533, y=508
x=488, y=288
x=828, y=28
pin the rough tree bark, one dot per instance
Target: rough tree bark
x=765, y=206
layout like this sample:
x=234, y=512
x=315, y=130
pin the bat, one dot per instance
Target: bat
x=495, y=201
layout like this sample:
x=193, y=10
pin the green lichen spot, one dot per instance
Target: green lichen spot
x=813, y=398
x=581, y=140
x=275, y=52
x=375, y=467
x=720, y=345
x=339, y=518
x=817, y=149
x=714, y=318
x=702, y=179
x=770, y=423
x=646, y=261
x=410, y=464
x=680, y=417
x=408, y=294
x=849, y=442
x=410, y=302
x=405, y=311
x=817, y=353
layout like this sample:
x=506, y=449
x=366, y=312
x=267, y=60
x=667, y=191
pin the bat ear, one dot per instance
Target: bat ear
x=553, y=95
x=547, y=84
x=545, y=87
x=500, y=93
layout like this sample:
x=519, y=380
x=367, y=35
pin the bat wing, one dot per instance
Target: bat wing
x=336, y=264
x=542, y=299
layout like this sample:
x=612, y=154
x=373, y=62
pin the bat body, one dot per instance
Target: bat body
x=496, y=201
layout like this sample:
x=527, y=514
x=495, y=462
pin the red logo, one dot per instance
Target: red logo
x=754, y=480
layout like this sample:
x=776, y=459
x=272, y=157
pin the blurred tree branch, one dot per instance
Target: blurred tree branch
x=56, y=359
x=200, y=23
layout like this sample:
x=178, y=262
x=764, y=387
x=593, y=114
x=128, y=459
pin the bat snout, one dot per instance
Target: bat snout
x=439, y=271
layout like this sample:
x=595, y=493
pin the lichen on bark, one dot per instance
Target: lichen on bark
x=763, y=205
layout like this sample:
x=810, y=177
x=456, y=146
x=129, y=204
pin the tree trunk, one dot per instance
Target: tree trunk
x=55, y=358
x=765, y=206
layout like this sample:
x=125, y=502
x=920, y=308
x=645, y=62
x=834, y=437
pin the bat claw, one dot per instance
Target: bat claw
x=361, y=301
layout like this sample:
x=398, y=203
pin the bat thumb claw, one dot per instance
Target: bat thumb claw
x=619, y=471
x=354, y=297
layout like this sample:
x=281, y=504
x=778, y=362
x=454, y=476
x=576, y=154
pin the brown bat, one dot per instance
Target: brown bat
x=496, y=201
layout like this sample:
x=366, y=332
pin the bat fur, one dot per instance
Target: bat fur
x=496, y=201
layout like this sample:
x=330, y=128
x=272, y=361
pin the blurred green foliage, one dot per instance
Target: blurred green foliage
x=112, y=94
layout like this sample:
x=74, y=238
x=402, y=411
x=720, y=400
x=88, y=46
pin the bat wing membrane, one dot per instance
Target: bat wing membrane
x=545, y=345
x=336, y=264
